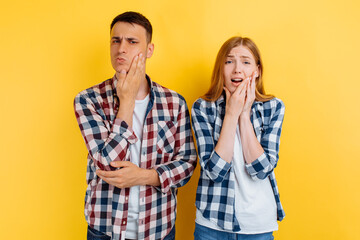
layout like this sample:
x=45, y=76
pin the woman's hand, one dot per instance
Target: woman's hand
x=235, y=101
x=250, y=95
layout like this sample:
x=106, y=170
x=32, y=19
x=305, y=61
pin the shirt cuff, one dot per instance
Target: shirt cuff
x=217, y=167
x=258, y=168
x=164, y=177
x=122, y=128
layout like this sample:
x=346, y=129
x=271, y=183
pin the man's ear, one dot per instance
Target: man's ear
x=150, y=50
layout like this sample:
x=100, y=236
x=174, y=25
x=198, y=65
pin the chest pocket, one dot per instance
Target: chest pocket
x=166, y=131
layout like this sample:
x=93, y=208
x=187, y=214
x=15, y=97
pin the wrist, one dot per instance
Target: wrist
x=244, y=118
x=244, y=115
x=149, y=177
x=125, y=113
x=230, y=117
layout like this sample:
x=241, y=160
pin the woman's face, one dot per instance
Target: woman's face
x=239, y=64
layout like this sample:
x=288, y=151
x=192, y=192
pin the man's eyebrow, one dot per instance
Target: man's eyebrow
x=131, y=38
x=127, y=38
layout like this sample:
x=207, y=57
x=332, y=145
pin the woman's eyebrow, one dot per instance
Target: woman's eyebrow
x=232, y=55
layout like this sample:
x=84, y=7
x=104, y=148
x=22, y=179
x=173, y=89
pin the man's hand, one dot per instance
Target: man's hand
x=129, y=175
x=128, y=86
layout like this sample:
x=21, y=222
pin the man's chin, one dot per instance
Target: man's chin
x=119, y=69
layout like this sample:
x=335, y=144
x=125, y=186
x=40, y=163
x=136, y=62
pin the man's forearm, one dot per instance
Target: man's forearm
x=150, y=177
x=126, y=110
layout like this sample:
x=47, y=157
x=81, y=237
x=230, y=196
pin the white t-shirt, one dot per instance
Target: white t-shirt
x=255, y=206
x=135, y=153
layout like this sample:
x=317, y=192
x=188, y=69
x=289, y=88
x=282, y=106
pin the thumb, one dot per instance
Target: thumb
x=118, y=164
x=122, y=76
x=227, y=93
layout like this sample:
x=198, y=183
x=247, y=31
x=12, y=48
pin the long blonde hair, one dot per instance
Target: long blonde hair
x=217, y=78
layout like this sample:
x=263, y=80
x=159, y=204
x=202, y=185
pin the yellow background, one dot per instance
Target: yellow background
x=51, y=50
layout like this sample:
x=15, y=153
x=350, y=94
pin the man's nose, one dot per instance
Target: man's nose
x=122, y=47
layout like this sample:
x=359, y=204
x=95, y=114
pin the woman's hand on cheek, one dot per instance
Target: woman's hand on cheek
x=235, y=101
x=250, y=95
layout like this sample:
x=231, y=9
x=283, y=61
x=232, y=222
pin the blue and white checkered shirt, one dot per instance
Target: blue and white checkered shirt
x=215, y=194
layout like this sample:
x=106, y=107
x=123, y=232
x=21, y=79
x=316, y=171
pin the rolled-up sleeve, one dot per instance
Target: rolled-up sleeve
x=270, y=142
x=211, y=163
x=103, y=144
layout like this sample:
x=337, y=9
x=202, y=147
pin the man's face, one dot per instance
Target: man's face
x=127, y=41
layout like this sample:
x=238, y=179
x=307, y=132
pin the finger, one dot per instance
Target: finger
x=252, y=77
x=227, y=94
x=243, y=92
x=249, y=79
x=253, y=85
x=248, y=91
x=108, y=180
x=106, y=174
x=240, y=88
x=133, y=66
x=118, y=164
x=140, y=68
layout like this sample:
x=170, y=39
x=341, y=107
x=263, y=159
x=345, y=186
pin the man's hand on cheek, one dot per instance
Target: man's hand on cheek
x=128, y=83
x=127, y=88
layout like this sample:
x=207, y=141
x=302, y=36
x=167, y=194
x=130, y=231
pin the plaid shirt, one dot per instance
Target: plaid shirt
x=167, y=146
x=215, y=194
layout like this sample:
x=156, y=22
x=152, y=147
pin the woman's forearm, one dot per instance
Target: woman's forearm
x=252, y=149
x=225, y=144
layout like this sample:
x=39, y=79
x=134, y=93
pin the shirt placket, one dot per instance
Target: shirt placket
x=144, y=158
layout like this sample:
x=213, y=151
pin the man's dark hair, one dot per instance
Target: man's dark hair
x=134, y=18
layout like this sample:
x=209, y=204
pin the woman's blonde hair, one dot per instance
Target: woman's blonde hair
x=217, y=78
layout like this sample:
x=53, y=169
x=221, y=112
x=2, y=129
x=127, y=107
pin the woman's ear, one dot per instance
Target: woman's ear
x=257, y=72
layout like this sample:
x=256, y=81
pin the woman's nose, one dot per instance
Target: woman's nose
x=237, y=68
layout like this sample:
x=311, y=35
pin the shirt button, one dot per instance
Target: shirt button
x=124, y=222
x=126, y=198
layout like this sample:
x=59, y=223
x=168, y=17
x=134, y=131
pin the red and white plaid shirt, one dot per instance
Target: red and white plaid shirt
x=167, y=146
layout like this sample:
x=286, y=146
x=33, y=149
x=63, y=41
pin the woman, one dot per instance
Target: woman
x=237, y=128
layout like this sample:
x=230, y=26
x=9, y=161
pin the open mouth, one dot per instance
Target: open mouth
x=236, y=80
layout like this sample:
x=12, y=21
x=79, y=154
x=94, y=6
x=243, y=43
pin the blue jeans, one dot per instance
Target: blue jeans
x=93, y=234
x=204, y=233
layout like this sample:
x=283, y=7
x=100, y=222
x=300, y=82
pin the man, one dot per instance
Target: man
x=139, y=140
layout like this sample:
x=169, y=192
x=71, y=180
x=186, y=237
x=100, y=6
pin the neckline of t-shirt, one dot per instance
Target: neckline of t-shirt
x=143, y=100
